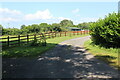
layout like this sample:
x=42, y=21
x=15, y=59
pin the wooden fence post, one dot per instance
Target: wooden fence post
x=27, y=38
x=34, y=36
x=81, y=32
x=52, y=34
x=19, y=40
x=55, y=34
x=60, y=34
x=70, y=33
x=73, y=32
x=8, y=41
x=65, y=33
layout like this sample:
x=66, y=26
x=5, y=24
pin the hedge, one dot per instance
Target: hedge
x=106, y=32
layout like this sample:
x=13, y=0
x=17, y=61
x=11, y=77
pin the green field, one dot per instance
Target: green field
x=32, y=51
x=109, y=55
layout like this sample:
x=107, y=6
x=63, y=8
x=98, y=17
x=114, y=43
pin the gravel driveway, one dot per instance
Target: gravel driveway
x=67, y=60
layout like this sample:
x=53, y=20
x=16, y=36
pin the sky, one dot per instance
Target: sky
x=15, y=14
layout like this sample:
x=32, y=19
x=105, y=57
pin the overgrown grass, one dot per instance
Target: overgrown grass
x=109, y=55
x=33, y=51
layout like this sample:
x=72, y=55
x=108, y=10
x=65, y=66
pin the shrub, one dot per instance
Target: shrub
x=106, y=32
x=41, y=42
x=35, y=42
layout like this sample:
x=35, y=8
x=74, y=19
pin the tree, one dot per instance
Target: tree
x=56, y=27
x=35, y=28
x=22, y=26
x=44, y=27
x=106, y=32
x=66, y=23
x=84, y=25
x=1, y=30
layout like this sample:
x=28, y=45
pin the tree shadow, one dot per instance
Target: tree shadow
x=63, y=61
x=106, y=58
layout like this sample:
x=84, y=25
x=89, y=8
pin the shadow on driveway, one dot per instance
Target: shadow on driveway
x=63, y=61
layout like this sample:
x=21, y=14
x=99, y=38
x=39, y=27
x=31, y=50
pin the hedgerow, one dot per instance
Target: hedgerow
x=106, y=32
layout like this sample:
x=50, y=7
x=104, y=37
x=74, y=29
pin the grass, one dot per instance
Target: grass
x=33, y=51
x=109, y=55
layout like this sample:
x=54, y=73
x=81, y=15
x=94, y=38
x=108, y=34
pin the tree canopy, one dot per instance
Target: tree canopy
x=43, y=27
x=66, y=23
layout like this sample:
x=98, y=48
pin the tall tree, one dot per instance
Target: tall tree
x=66, y=23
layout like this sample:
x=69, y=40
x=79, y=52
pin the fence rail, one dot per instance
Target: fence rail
x=20, y=39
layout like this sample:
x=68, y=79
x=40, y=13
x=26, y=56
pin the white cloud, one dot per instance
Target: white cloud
x=9, y=19
x=8, y=11
x=17, y=17
x=75, y=10
x=39, y=15
x=8, y=15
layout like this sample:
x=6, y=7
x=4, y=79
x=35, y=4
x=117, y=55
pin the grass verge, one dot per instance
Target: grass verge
x=109, y=55
x=33, y=51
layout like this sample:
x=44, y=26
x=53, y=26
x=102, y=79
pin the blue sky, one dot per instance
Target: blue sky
x=14, y=14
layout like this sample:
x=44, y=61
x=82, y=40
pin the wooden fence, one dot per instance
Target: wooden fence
x=25, y=39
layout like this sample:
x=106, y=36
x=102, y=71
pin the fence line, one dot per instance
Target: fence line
x=25, y=39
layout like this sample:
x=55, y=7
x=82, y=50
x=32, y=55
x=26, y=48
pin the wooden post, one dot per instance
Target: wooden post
x=52, y=34
x=27, y=38
x=19, y=40
x=60, y=34
x=70, y=33
x=73, y=32
x=77, y=33
x=34, y=36
x=65, y=33
x=8, y=41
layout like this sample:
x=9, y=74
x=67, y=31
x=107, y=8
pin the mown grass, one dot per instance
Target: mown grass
x=108, y=55
x=33, y=51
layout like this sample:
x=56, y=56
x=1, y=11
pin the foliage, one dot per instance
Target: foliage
x=56, y=27
x=41, y=42
x=66, y=23
x=11, y=31
x=35, y=42
x=42, y=27
x=106, y=32
x=84, y=25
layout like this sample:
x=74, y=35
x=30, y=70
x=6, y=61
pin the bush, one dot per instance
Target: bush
x=41, y=42
x=35, y=42
x=106, y=32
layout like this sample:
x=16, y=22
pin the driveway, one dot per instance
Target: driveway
x=68, y=59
